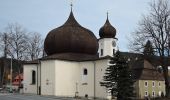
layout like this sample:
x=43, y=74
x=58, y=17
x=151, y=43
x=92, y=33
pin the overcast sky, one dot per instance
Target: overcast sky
x=44, y=15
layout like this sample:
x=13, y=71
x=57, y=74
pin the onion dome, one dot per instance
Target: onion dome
x=107, y=30
x=71, y=37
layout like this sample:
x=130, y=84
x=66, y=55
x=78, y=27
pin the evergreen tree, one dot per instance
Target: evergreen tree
x=118, y=78
x=148, y=49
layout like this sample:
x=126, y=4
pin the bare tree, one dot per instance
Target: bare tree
x=35, y=46
x=4, y=44
x=17, y=41
x=155, y=27
x=19, y=44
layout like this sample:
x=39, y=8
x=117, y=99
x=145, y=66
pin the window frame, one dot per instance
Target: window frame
x=146, y=93
x=159, y=84
x=145, y=84
x=153, y=93
x=153, y=83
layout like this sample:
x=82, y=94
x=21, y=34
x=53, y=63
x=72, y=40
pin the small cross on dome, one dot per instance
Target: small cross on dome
x=71, y=5
x=107, y=15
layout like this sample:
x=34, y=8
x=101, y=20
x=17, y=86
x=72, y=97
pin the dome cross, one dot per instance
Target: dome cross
x=107, y=15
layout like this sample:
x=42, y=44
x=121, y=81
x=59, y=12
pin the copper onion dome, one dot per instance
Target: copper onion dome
x=71, y=37
x=107, y=30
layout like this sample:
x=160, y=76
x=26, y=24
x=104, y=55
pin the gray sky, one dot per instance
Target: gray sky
x=44, y=15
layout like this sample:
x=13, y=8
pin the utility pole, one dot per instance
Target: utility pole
x=11, y=76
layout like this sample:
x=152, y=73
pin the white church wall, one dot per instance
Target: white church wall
x=28, y=86
x=67, y=78
x=86, y=86
x=48, y=77
x=101, y=66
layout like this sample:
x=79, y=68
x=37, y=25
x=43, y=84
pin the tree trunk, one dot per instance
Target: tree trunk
x=165, y=74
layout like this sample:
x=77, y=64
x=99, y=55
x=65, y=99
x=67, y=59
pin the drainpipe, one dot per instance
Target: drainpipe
x=37, y=76
x=94, y=79
x=40, y=79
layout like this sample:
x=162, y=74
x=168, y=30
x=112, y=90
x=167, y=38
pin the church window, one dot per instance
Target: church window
x=113, y=43
x=113, y=51
x=101, y=52
x=33, y=77
x=85, y=71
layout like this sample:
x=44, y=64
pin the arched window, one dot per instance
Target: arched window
x=85, y=71
x=33, y=76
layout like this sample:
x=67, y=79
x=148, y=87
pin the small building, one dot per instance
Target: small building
x=148, y=77
x=149, y=82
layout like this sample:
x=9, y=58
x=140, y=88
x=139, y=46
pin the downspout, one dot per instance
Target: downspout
x=40, y=79
x=37, y=76
x=94, y=79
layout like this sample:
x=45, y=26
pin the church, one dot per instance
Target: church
x=76, y=61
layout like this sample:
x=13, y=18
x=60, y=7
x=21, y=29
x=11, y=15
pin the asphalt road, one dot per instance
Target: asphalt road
x=6, y=96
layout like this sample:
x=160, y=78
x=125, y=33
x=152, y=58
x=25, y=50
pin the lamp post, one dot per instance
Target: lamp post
x=11, y=77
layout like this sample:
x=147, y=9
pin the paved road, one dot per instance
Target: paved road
x=6, y=96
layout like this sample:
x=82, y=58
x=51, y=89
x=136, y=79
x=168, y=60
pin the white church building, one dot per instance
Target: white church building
x=75, y=63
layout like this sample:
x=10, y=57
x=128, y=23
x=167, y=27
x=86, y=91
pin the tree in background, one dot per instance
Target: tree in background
x=17, y=41
x=21, y=44
x=4, y=38
x=35, y=46
x=148, y=49
x=155, y=27
x=118, y=78
x=18, y=44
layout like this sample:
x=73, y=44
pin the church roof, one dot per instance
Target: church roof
x=71, y=37
x=144, y=70
x=107, y=30
x=71, y=57
x=32, y=62
x=75, y=57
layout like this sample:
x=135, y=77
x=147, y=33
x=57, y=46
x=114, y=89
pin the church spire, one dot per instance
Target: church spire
x=107, y=15
x=107, y=30
x=71, y=5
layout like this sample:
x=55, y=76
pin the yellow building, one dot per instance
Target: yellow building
x=148, y=81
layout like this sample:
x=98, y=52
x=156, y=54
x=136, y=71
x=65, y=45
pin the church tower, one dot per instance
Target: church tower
x=107, y=41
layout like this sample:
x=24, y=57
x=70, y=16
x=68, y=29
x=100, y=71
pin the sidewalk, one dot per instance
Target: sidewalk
x=57, y=97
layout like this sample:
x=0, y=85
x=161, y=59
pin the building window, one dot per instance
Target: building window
x=85, y=71
x=146, y=93
x=33, y=77
x=153, y=83
x=153, y=93
x=113, y=51
x=113, y=43
x=101, y=52
x=146, y=84
x=159, y=84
